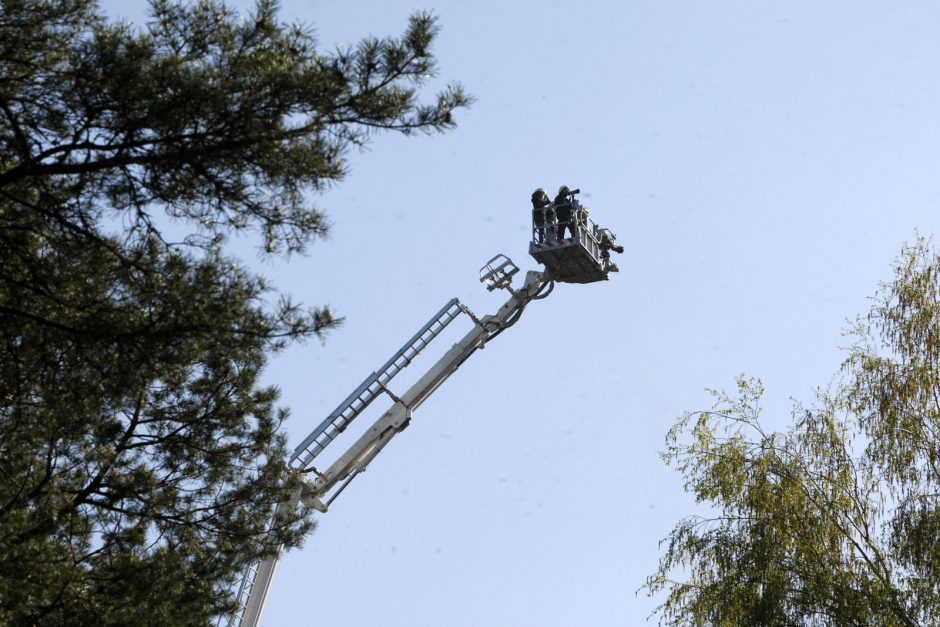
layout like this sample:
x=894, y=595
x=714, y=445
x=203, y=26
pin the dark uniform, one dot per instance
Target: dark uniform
x=564, y=212
x=541, y=213
x=608, y=245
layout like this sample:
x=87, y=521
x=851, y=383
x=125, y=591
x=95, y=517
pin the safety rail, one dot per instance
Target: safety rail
x=585, y=228
x=587, y=231
x=498, y=273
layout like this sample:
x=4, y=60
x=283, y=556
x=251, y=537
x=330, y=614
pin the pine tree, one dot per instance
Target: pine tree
x=139, y=455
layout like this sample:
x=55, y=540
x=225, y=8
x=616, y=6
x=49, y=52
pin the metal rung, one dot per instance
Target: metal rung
x=372, y=387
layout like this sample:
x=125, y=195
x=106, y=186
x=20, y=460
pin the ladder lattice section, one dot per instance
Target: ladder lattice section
x=373, y=386
x=244, y=593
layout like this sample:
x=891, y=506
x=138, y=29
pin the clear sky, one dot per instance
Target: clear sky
x=762, y=163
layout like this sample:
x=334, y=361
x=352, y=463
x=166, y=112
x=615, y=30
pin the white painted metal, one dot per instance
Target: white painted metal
x=253, y=590
x=258, y=590
x=393, y=421
x=257, y=580
x=372, y=387
x=498, y=272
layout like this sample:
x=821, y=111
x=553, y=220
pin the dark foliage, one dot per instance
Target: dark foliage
x=139, y=456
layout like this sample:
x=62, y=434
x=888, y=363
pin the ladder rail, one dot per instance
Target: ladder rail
x=256, y=579
x=260, y=573
x=252, y=593
x=361, y=453
x=372, y=387
x=243, y=595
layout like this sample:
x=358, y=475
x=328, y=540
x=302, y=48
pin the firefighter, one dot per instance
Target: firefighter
x=564, y=212
x=543, y=217
x=607, y=245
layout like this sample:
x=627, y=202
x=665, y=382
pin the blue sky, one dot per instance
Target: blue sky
x=762, y=163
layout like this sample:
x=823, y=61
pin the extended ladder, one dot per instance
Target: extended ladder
x=373, y=386
x=334, y=424
x=315, y=485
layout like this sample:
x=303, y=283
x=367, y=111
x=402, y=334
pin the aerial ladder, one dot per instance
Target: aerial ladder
x=581, y=258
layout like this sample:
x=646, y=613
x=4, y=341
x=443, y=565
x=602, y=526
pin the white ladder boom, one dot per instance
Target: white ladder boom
x=498, y=273
x=374, y=385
